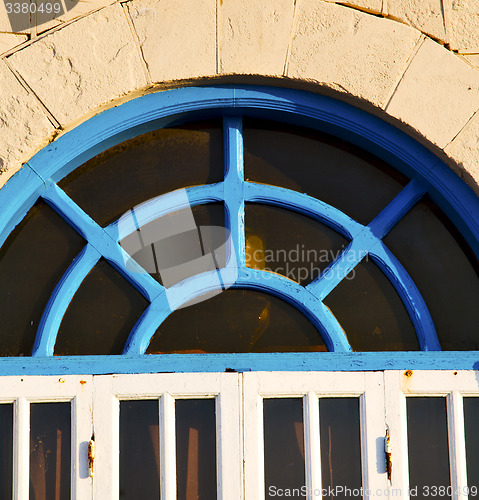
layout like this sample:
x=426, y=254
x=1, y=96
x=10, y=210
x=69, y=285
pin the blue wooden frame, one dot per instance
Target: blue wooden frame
x=39, y=176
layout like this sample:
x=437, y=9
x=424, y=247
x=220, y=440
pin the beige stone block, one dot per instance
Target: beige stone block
x=374, y=6
x=473, y=59
x=23, y=125
x=254, y=36
x=5, y=25
x=464, y=150
x=425, y=15
x=349, y=50
x=177, y=37
x=83, y=65
x=437, y=95
x=463, y=24
x=82, y=8
x=9, y=41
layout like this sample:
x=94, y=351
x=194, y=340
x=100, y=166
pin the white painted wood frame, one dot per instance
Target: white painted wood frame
x=23, y=391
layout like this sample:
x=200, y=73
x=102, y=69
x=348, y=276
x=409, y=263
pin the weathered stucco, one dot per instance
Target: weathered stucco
x=414, y=61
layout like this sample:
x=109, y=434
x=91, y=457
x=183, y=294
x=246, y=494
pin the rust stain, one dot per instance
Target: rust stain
x=82, y=382
x=408, y=373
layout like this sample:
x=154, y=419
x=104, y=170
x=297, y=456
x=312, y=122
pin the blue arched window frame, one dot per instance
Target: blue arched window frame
x=428, y=174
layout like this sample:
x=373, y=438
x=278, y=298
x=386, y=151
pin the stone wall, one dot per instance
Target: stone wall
x=412, y=62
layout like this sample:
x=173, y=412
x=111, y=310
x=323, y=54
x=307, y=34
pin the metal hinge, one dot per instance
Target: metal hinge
x=91, y=457
x=387, y=449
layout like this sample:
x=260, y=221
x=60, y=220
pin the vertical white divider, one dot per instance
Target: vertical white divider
x=457, y=446
x=106, y=409
x=396, y=419
x=253, y=438
x=167, y=447
x=82, y=429
x=312, y=446
x=229, y=462
x=21, y=483
x=373, y=432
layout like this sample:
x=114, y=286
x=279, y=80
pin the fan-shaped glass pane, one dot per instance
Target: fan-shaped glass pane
x=371, y=312
x=444, y=269
x=237, y=321
x=147, y=166
x=101, y=314
x=288, y=243
x=324, y=167
x=32, y=261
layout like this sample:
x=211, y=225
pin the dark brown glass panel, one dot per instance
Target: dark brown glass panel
x=288, y=243
x=371, y=312
x=237, y=321
x=101, y=314
x=445, y=271
x=471, y=419
x=428, y=450
x=147, y=166
x=6, y=450
x=195, y=449
x=50, y=451
x=283, y=447
x=139, y=450
x=340, y=445
x=32, y=260
x=188, y=250
x=324, y=167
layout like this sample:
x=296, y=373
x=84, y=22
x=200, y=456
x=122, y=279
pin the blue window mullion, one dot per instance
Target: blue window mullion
x=234, y=185
x=102, y=242
x=60, y=300
x=397, y=209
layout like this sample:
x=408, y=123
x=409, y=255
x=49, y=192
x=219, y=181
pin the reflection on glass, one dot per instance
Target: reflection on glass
x=300, y=250
x=471, y=418
x=324, y=167
x=340, y=444
x=32, y=261
x=195, y=449
x=50, y=451
x=196, y=243
x=101, y=314
x=444, y=269
x=428, y=450
x=145, y=167
x=6, y=450
x=283, y=446
x=139, y=450
x=237, y=321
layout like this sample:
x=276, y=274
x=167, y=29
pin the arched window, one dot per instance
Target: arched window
x=233, y=229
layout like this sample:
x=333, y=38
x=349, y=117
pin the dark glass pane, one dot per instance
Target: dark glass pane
x=371, y=311
x=283, y=447
x=101, y=314
x=445, y=271
x=428, y=450
x=237, y=321
x=50, y=451
x=193, y=235
x=471, y=419
x=6, y=450
x=288, y=243
x=324, y=167
x=195, y=449
x=139, y=450
x=147, y=166
x=340, y=444
x=32, y=261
